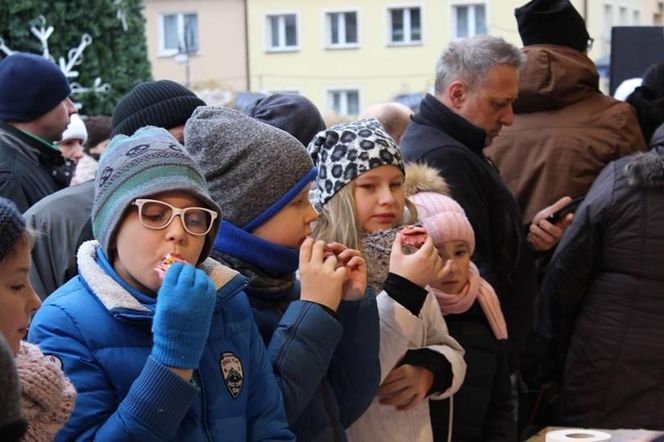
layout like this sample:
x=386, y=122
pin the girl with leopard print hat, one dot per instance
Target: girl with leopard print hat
x=359, y=190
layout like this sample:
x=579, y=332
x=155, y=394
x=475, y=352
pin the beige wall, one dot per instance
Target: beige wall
x=380, y=71
x=221, y=60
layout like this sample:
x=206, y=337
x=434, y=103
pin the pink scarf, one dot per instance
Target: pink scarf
x=475, y=289
x=47, y=395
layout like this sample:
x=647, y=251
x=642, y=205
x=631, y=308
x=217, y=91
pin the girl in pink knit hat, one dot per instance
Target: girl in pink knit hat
x=47, y=396
x=482, y=407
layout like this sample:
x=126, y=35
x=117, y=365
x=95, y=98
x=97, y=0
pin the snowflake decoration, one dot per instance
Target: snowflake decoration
x=74, y=58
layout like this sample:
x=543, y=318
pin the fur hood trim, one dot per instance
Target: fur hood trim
x=646, y=170
x=112, y=295
x=424, y=178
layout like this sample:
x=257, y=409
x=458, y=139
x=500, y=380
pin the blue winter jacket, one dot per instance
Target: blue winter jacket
x=99, y=328
x=327, y=367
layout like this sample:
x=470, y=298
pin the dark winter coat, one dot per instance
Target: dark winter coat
x=565, y=130
x=64, y=223
x=29, y=169
x=483, y=406
x=603, y=299
x=444, y=140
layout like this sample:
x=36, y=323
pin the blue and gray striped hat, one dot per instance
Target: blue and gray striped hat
x=149, y=162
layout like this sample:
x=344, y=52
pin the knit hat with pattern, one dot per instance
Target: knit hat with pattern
x=12, y=226
x=149, y=162
x=346, y=151
x=162, y=103
x=30, y=86
x=443, y=218
x=253, y=169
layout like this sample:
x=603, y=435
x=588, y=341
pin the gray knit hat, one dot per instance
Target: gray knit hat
x=149, y=162
x=12, y=226
x=346, y=151
x=253, y=169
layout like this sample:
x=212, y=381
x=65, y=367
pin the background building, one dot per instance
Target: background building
x=344, y=54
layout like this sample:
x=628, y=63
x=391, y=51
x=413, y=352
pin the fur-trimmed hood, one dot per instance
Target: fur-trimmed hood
x=646, y=170
x=424, y=178
x=113, y=296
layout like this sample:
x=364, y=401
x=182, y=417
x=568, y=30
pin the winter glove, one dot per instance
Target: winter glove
x=185, y=303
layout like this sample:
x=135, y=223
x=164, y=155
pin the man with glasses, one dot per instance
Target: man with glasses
x=64, y=217
x=565, y=130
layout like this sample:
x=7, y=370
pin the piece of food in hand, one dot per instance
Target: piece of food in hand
x=413, y=236
x=165, y=263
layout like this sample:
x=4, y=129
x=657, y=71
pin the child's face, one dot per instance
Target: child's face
x=459, y=254
x=379, y=198
x=71, y=149
x=291, y=225
x=140, y=249
x=18, y=301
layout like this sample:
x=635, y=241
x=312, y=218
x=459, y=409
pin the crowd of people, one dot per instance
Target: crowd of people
x=178, y=271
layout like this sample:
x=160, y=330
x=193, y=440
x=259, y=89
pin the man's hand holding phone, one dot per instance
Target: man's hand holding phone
x=550, y=223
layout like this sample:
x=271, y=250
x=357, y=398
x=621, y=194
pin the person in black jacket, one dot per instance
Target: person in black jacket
x=601, y=302
x=477, y=80
x=34, y=112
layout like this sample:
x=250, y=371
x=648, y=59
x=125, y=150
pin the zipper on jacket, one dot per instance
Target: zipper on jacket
x=326, y=404
x=199, y=381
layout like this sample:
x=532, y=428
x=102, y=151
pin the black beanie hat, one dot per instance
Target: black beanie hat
x=162, y=103
x=30, y=86
x=552, y=22
x=292, y=113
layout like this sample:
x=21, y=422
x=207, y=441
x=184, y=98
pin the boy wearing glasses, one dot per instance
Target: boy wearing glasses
x=174, y=360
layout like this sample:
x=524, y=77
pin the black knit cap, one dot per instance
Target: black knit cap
x=12, y=226
x=553, y=22
x=162, y=103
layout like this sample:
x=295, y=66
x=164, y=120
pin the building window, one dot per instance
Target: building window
x=344, y=102
x=636, y=21
x=468, y=20
x=608, y=25
x=179, y=33
x=405, y=25
x=341, y=29
x=623, y=16
x=282, y=32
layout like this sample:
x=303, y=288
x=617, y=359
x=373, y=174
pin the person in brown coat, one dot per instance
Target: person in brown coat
x=565, y=130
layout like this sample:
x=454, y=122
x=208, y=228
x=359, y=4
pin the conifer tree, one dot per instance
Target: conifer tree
x=116, y=55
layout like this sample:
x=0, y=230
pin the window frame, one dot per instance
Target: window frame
x=268, y=31
x=327, y=20
x=408, y=30
x=180, y=15
x=345, y=89
x=471, y=5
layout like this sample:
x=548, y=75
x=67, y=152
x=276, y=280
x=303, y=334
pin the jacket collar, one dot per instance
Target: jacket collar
x=646, y=170
x=31, y=147
x=120, y=302
x=434, y=113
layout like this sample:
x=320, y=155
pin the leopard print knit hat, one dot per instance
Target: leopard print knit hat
x=342, y=153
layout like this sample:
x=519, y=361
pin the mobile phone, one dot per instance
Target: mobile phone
x=563, y=211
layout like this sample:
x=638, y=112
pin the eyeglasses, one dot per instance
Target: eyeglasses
x=589, y=44
x=157, y=215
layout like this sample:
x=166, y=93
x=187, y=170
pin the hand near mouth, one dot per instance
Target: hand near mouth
x=356, y=270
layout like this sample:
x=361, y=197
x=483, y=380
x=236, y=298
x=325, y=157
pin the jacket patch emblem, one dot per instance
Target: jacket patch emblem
x=231, y=369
